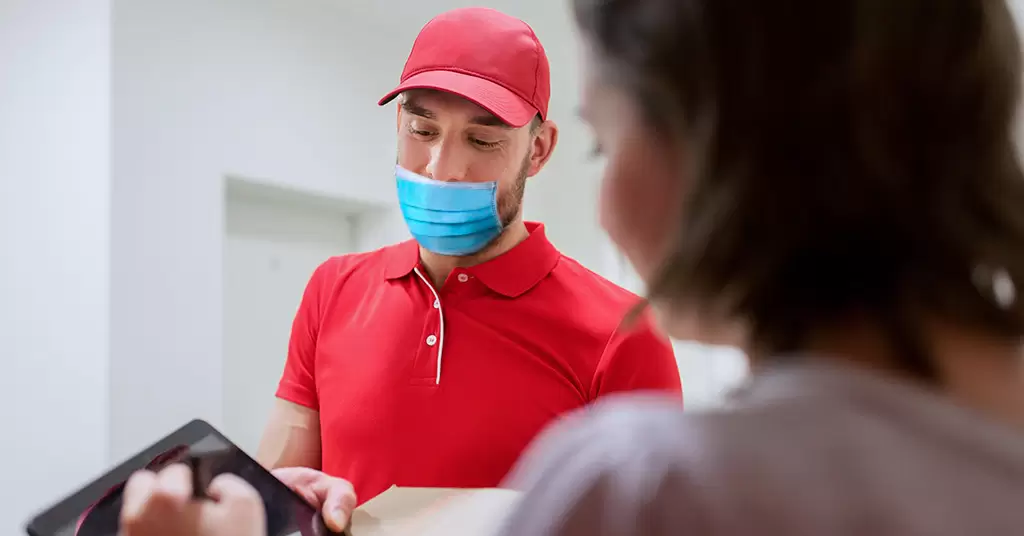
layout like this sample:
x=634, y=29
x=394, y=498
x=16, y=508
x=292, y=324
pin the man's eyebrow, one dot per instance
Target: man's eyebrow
x=490, y=120
x=416, y=109
x=486, y=120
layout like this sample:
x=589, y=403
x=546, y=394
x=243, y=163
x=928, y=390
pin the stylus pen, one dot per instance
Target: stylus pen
x=198, y=486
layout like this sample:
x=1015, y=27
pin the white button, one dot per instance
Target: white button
x=463, y=278
x=431, y=340
x=437, y=304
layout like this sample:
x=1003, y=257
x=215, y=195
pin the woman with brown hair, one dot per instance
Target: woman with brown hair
x=834, y=187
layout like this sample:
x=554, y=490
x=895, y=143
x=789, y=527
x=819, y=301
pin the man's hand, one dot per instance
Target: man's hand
x=161, y=504
x=333, y=496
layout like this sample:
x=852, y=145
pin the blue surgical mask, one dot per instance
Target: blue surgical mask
x=449, y=218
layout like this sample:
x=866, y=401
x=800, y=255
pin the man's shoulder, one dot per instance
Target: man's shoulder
x=348, y=265
x=592, y=288
x=587, y=302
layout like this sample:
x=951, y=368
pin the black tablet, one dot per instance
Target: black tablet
x=95, y=509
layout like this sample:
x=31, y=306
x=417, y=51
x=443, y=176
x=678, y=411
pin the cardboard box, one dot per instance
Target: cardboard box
x=434, y=512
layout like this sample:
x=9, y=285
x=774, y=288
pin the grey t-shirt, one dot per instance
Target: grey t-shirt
x=802, y=450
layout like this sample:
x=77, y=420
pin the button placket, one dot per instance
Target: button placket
x=434, y=340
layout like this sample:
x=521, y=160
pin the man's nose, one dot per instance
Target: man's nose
x=447, y=164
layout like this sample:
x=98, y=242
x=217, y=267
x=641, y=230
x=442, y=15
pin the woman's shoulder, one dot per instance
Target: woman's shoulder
x=642, y=465
x=652, y=432
x=630, y=458
x=810, y=451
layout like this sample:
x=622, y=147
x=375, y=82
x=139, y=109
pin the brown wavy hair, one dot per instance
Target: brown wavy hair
x=845, y=157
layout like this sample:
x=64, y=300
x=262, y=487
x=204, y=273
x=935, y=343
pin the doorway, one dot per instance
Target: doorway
x=274, y=239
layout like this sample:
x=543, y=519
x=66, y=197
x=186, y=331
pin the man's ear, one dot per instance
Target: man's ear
x=543, y=145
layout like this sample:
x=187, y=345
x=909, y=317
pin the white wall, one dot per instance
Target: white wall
x=54, y=246
x=263, y=89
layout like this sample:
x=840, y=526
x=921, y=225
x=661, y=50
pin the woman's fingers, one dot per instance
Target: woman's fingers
x=162, y=504
x=150, y=500
x=136, y=494
x=174, y=485
x=228, y=488
x=236, y=508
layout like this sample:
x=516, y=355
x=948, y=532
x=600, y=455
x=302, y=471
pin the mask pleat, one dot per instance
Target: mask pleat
x=437, y=197
x=449, y=218
x=457, y=245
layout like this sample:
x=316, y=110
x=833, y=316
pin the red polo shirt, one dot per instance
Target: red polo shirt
x=445, y=387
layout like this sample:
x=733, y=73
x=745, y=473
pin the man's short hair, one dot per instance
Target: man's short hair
x=536, y=124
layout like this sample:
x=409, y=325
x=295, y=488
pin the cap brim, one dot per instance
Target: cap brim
x=501, y=102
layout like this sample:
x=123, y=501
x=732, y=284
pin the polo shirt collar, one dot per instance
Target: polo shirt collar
x=510, y=274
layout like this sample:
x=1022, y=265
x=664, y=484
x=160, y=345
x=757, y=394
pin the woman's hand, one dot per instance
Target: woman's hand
x=161, y=504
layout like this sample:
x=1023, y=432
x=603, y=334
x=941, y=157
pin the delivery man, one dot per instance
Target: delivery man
x=435, y=362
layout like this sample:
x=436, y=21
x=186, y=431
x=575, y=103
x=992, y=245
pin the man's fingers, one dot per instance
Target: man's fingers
x=301, y=480
x=338, y=504
x=297, y=476
x=333, y=496
x=309, y=495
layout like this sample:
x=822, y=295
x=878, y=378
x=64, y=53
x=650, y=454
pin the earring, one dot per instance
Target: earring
x=1003, y=289
x=997, y=284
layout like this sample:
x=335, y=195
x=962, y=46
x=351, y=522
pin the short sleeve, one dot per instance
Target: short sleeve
x=637, y=358
x=298, y=382
x=595, y=474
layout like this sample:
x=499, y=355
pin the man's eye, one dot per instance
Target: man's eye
x=485, y=144
x=422, y=133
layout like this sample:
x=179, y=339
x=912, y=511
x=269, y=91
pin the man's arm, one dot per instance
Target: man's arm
x=638, y=357
x=291, y=438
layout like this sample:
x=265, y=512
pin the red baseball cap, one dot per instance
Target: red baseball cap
x=484, y=56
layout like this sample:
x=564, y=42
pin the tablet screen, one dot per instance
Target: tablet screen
x=95, y=510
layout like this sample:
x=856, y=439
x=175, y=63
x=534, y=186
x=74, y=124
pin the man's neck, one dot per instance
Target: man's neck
x=439, y=266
